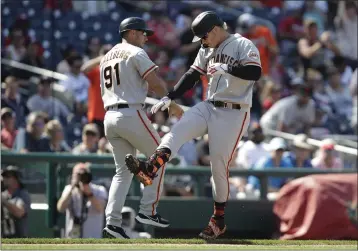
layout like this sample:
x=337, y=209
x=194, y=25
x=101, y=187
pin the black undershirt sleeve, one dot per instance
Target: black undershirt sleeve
x=186, y=82
x=248, y=72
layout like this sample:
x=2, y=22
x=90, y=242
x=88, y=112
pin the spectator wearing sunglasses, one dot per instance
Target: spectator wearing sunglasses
x=327, y=157
x=90, y=138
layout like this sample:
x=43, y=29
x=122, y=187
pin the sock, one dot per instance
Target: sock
x=219, y=210
x=158, y=159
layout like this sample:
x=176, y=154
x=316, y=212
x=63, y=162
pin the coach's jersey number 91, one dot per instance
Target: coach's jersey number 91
x=107, y=75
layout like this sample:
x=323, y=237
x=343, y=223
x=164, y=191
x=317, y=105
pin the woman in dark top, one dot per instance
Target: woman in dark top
x=312, y=48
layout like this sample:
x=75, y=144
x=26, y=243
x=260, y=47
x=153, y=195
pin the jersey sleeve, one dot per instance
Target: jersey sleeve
x=248, y=53
x=143, y=64
x=199, y=62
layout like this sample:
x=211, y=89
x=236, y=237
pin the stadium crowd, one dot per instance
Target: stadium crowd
x=308, y=86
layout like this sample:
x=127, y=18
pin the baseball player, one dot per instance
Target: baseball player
x=126, y=73
x=232, y=64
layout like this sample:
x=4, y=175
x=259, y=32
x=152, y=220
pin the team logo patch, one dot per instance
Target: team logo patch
x=253, y=54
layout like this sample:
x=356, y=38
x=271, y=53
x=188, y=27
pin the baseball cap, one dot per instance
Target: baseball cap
x=277, y=143
x=245, y=21
x=11, y=171
x=7, y=112
x=328, y=144
x=91, y=128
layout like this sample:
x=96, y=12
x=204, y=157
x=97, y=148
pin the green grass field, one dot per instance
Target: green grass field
x=173, y=244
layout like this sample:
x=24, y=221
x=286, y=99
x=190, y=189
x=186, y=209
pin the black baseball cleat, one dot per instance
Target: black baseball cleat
x=139, y=169
x=111, y=232
x=154, y=220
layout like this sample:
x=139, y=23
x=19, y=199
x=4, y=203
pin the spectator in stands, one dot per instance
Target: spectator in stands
x=293, y=114
x=54, y=132
x=344, y=70
x=346, y=24
x=103, y=146
x=44, y=101
x=17, y=49
x=76, y=83
x=290, y=31
x=312, y=48
x=67, y=52
x=202, y=149
x=15, y=205
x=8, y=131
x=32, y=139
x=270, y=94
x=276, y=160
x=84, y=203
x=353, y=89
x=12, y=99
x=262, y=37
x=165, y=33
x=93, y=48
x=327, y=157
x=254, y=149
x=32, y=57
x=90, y=138
x=300, y=157
x=339, y=96
x=75, y=124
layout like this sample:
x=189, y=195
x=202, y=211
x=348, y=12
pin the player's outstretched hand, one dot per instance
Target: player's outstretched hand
x=217, y=69
x=162, y=104
x=175, y=110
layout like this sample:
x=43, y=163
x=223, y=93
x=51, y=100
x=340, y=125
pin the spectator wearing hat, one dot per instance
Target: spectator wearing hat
x=262, y=37
x=33, y=139
x=300, y=156
x=293, y=114
x=12, y=99
x=327, y=157
x=15, y=205
x=84, y=203
x=90, y=138
x=277, y=148
x=253, y=149
x=44, y=102
x=8, y=131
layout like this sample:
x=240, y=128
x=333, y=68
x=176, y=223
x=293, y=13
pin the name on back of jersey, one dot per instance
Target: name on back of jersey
x=119, y=53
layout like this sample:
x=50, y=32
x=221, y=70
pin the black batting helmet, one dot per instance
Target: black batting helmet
x=204, y=23
x=134, y=23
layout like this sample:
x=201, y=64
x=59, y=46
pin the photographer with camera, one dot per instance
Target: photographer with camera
x=15, y=204
x=84, y=204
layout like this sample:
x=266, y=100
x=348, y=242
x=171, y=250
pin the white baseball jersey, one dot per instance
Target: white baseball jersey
x=235, y=50
x=123, y=71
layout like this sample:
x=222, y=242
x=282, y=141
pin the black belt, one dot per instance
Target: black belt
x=117, y=106
x=226, y=105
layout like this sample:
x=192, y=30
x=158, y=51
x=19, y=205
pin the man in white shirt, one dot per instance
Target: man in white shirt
x=76, y=83
x=293, y=114
x=253, y=149
x=84, y=204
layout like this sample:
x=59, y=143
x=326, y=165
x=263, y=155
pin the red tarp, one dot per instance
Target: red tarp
x=318, y=207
